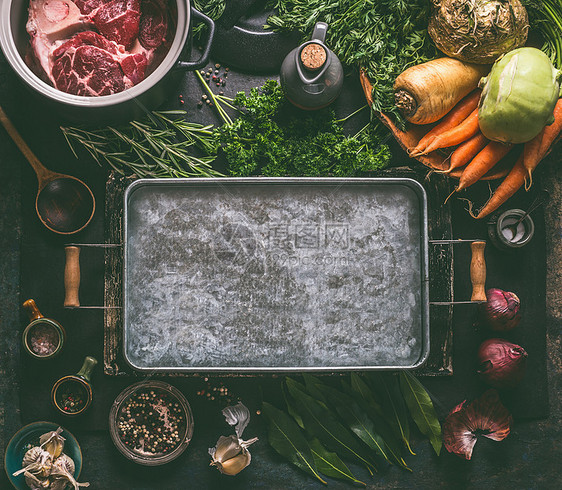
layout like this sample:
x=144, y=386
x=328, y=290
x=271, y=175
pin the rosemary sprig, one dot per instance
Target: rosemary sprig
x=162, y=145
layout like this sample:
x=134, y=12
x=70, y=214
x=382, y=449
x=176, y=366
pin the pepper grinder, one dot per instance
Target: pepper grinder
x=311, y=74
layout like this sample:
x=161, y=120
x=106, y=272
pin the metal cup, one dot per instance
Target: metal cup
x=37, y=323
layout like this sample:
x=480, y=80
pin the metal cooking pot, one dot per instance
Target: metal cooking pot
x=133, y=102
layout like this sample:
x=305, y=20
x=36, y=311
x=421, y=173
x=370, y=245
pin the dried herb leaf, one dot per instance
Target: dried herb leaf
x=357, y=420
x=321, y=423
x=287, y=439
x=395, y=410
x=291, y=406
x=421, y=409
x=312, y=383
x=360, y=387
x=366, y=400
x=330, y=464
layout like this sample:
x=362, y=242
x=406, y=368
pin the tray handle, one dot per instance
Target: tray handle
x=72, y=277
x=478, y=271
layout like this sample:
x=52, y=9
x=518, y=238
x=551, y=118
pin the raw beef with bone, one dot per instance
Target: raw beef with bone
x=90, y=65
x=77, y=60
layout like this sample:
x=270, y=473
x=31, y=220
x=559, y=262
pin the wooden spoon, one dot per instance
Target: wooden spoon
x=64, y=204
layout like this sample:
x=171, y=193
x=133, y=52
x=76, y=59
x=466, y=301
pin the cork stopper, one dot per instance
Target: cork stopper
x=313, y=56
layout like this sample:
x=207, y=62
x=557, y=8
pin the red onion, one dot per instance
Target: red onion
x=501, y=310
x=485, y=416
x=502, y=364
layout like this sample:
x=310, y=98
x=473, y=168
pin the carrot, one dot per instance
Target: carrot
x=456, y=116
x=459, y=134
x=512, y=182
x=427, y=92
x=536, y=149
x=492, y=153
x=467, y=151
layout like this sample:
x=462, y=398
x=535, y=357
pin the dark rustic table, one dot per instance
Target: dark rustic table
x=32, y=266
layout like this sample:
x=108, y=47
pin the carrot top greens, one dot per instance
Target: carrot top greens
x=384, y=37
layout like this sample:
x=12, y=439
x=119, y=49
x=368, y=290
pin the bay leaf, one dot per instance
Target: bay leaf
x=394, y=406
x=291, y=406
x=311, y=383
x=321, y=423
x=287, y=439
x=366, y=399
x=357, y=420
x=421, y=409
x=359, y=386
x=330, y=464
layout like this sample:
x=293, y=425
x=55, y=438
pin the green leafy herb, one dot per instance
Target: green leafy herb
x=360, y=387
x=546, y=17
x=330, y=464
x=395, y=410
x=162, y=145
x=273, y=138
x=291, y=406
x=383, y=37
x=320, y=422
x=421, y=409
x=357, y=420
x=212, y=9
x=365, y=398
x=287, y=439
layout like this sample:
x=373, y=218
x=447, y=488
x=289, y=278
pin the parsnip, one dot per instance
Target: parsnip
x=425, y=93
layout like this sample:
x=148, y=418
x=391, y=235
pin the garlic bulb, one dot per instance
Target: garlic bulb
x=230, y=455
x=53, y=442
x=37, y=462
x=63, y=473
x=35, y=483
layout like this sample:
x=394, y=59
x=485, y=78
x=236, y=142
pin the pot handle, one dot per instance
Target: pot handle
x=204, y=58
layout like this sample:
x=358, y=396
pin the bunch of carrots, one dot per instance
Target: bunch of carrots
x=478, y=155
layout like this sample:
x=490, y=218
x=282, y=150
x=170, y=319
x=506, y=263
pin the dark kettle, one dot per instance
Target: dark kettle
x=312, y=75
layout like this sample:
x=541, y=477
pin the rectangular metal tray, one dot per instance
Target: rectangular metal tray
x=261, y=275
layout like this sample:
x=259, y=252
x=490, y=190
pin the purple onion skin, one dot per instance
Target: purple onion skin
x=502, y=364
x=501, y=310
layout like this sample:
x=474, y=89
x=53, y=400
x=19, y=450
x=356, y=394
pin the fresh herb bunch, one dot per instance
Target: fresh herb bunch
x=273, y=138
x=365, y=420
x=546, y=17
x=212, y=9
x=162, y=145
x=383, y=37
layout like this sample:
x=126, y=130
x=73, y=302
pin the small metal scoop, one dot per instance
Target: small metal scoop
x=64, y=204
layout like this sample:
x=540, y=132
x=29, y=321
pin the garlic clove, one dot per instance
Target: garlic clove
x=234, y=465
x=226, y=448
x=238, y=415
x=230, y=455
x=53, y=442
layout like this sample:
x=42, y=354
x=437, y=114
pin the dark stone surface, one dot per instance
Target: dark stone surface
x=529, y=458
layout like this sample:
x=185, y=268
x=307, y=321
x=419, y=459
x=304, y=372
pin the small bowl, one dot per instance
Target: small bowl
x=49, y=326
x=18, y=446
x=74, y=384
x=159, y=389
